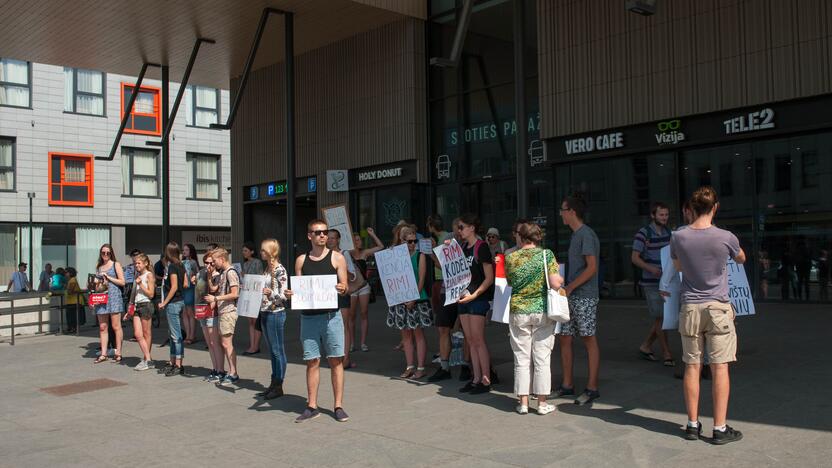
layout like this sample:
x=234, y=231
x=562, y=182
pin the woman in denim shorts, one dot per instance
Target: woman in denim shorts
x=207, y=284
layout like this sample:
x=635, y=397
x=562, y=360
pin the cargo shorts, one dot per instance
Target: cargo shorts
x=711, y=324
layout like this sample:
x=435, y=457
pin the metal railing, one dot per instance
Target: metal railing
x=44, y=304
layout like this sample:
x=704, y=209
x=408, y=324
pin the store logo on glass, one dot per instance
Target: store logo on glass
x=669, y=133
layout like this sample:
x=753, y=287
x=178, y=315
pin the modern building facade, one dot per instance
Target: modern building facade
x=622, y=108
x=55, y=125
x=546, y=98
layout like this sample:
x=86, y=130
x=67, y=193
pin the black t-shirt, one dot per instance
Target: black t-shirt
x=159, y=269
x=178, y=270
x=478, y=265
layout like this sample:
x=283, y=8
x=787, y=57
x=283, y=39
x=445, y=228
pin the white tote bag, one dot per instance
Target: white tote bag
x=557, y=306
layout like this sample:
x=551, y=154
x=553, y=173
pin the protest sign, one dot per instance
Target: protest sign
x=739, y=292
x=670, y=320
x=336, y=217
x=251, y=295
x=456, y=273
x=502, y=291
x=397, y=276
x=426, y=246
x=314, y=292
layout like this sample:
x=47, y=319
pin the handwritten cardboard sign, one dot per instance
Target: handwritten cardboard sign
x=739, y=292
x=251, y=295
x=397, y=276
x=456, y=273
x=336, y=217
x=314, y=292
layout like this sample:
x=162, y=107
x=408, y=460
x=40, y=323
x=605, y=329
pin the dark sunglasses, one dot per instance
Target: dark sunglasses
x=105, y=253
x=460, y=226
x=319, y=233
x=411, y=241
x=490, y=236
x=209, y=263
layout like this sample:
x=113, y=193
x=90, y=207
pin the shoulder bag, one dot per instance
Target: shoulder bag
x=557, y=306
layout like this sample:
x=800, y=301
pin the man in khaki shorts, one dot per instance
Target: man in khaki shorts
x=706, y=319
x=226, y=299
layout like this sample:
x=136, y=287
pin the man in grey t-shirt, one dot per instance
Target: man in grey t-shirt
x=582, y=291
x=706, y=317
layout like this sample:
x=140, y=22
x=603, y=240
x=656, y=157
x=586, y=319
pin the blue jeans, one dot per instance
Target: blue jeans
x=272, y=325
x=174, y=311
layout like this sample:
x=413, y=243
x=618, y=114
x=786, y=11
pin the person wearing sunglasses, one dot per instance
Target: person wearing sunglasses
x=496, y=245
x=208, y=284
x=582, y=292
x=322, y=331
x=109, y=278
x=333, y=243
x=474, y=306
x=412, y=317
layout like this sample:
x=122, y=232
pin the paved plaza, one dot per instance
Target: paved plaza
x=780, y=401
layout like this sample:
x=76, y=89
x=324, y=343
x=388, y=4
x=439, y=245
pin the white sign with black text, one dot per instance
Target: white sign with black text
x=456, y=272
x=314, y=292
x=397, y=277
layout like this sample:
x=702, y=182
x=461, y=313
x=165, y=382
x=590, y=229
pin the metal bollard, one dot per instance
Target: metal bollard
x=40, y=315
x=12, y=302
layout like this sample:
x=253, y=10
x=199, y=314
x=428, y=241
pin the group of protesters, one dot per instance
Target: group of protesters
x=188, y=293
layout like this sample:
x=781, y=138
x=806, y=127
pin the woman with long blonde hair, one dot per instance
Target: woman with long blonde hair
x=273, y=315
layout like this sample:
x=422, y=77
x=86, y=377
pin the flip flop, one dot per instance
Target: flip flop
x=669, y=363
x=647, y=356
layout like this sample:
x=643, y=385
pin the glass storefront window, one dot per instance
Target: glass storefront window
x=619, y=193
x=489, y=132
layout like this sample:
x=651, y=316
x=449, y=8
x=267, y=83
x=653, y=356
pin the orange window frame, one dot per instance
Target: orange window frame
x=61, y=158
x=157, y=92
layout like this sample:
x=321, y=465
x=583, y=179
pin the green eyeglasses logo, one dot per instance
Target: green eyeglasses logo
x=669, y=125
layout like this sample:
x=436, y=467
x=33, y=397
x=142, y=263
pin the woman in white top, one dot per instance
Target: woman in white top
x=144, y=287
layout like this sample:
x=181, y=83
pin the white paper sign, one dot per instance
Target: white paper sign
x=456, y=273
x=670, y=320
x=314, y=292
x=336, y=218
x=251, y=295
x=502, y=300
x=426, y=246
x=397, y=277
x=739, y=293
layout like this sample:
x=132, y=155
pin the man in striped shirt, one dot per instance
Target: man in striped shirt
x=647, y=246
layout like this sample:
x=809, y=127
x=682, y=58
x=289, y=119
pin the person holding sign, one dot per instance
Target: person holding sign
x=322, y=330
x=333, y=242
x=412, y=316
x=646, y=255
x=473, y=305
x=360, y=298
x=706, y=317
x=532, y=332
x=273, y=314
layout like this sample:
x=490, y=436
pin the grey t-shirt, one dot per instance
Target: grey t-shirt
x=584, y=242
x=703, y=255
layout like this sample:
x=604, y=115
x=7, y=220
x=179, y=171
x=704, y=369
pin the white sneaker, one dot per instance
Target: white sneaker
x=522, y=409
x=545, y=408
x=141, y=366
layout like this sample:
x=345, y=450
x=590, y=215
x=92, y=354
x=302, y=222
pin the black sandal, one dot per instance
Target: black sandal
x=647, y=356
x=100, y=359
x=117, y=359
